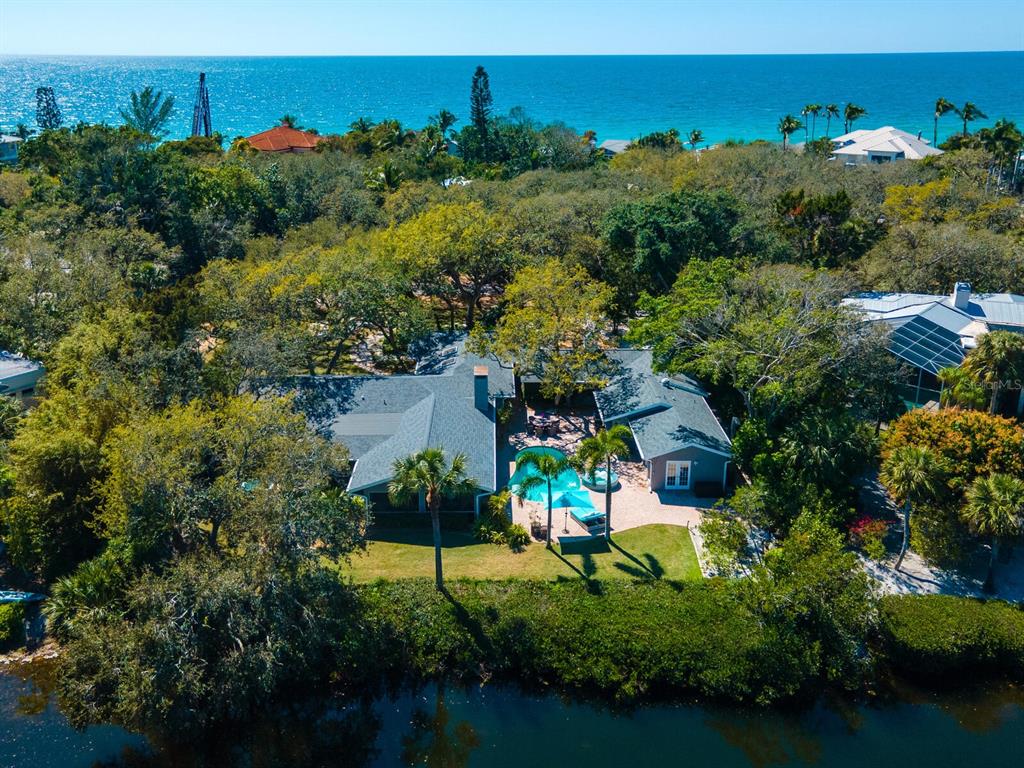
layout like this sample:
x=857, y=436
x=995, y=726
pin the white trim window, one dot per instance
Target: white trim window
x=677, y=475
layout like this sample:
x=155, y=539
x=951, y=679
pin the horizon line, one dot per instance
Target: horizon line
x=485, y=55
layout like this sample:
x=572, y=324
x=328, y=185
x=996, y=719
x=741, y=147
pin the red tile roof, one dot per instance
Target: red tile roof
x=281, y=138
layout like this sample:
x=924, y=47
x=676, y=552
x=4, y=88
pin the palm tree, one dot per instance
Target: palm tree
x=1004, y=141
x=995, y=508
x=288, y=121
x=788, y=125
x=428, y=475
x=695, y=138
x=942, y=107
x=386, y=177
x=910, y=473
x=998, y=357
x=813, y=110
x=149, y=112
x=831, y=110
x=852, y=113
x=444, y=120
x=362, y=125
x=960, y=389
x=601, y=449
x=22, y=131
x=969, y=112
x=547, y=467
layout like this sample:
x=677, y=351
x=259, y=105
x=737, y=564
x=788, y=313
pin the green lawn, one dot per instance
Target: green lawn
x=651, y=551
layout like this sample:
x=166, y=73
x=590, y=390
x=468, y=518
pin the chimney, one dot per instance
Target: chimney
x=962, y=295
x=480, y=389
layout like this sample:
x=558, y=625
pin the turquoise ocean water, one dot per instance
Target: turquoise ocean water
x=739, y=97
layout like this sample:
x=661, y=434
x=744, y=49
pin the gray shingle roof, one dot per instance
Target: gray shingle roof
x=665, y=414
x=384, y=418
x=445, y=354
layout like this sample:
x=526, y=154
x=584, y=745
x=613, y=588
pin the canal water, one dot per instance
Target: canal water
x=500, y=726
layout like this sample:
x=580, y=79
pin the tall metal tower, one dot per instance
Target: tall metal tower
x=201, y=123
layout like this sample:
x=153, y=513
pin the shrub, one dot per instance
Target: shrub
x=869, y=534
x=517, y=537
x=941, y=636
x=12, y=625
x=625, y=640
x=494, y=527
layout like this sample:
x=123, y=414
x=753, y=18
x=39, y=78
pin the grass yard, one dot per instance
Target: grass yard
x=648, y=552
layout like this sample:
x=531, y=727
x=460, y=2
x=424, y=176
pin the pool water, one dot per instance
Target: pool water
x=568, y=480
x=597, y=480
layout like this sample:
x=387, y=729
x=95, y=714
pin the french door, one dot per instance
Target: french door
x=677, y=475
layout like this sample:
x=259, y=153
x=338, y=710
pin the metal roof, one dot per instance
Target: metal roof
x=930, y=331
x=17, y=372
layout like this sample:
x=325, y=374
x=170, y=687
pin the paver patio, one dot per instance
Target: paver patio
x=633, y=504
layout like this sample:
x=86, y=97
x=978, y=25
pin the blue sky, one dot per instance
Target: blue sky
x=464, y=27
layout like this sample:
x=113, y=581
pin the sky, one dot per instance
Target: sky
x=505, y=27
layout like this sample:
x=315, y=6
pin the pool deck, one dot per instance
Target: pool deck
x=633, y=504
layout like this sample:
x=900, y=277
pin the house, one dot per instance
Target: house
x=281, y=138
x=9, y=148
x=931, y=332
x=678, y=437
x=612, y=147
x=450, y=402
x=881, y=145
x=19, y=376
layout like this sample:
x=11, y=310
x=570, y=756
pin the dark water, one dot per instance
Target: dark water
x=500, y=726
x=740, y=97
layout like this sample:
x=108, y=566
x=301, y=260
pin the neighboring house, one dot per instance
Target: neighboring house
x=677, y=436
x=9, y=148
x=930, y=332
x=612, y=147
x=281, y=138
x=450, y=402
x=882, y=145
x=19, y=377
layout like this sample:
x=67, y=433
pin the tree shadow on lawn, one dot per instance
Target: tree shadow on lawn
x=587, y=572
x=651, y=569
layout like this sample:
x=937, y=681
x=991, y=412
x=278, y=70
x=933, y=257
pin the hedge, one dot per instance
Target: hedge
x=12, y=625
x=938, y=637
x=621, y=640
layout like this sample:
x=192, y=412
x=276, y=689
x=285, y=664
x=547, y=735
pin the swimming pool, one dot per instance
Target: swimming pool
x=597, y=480
x=566, y=481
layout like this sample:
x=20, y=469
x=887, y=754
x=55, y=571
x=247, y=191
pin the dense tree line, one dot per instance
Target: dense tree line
x=156, y=492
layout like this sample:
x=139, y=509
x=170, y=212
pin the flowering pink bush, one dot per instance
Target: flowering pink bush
x=868, y=533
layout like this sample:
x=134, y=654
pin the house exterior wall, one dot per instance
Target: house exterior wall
x=705, y=467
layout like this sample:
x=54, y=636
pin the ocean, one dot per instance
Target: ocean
x=620, y=97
